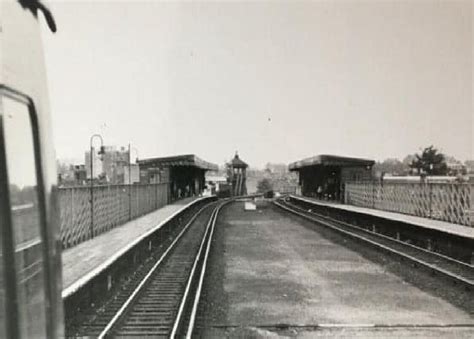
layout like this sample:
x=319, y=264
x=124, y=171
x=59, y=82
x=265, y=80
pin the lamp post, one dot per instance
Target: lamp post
x=130, y=179
x=101, y=152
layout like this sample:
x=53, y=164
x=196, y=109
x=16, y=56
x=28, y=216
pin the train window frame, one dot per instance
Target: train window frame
x=8, y=248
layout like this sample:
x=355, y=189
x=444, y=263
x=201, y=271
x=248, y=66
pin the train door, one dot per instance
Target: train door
x=23, y=290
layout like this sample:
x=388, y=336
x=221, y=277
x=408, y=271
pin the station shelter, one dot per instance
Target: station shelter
x=185, y=174
x=324, y=176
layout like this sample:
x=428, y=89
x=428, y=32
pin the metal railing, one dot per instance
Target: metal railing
x=449, y=202
x=113, y=205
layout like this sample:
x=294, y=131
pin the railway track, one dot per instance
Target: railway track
x=164, y=303
x=457, y=272
x=161, y=299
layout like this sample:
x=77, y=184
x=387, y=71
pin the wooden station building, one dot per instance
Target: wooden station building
x=324, y=176
x=185, y=174
x=238, y=176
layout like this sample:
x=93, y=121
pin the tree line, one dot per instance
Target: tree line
x=429, y=161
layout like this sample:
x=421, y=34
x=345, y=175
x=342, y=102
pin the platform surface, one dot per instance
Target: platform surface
x=275, y=269
x=455, y=229
x=84, y=261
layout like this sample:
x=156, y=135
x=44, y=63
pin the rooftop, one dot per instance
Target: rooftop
x=237, y=162
x=179, y=160
x=330, y=160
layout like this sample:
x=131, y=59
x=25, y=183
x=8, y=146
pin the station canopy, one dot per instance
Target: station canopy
x=330, y=160
x=188, y=160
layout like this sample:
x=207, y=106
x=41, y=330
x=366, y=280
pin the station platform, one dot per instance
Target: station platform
x=431, y=224
x=86, y=260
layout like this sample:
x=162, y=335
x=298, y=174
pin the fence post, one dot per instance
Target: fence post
x=138, y=192
x=373, y=195
x=471, y=210
x=430, y=191
x=91, y=230
x=72, y=215
x=129, y=202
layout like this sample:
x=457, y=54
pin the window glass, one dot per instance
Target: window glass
x=25, y=214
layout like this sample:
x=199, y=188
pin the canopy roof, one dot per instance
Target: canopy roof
x=330, y=160
x=179, y=160
x=237, y=162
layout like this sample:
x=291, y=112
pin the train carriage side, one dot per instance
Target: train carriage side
x=30, y=262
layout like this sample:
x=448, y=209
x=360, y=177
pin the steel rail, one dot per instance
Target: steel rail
x=197, y=295
x=184, y=299
x=468, y=283
x=132, y=297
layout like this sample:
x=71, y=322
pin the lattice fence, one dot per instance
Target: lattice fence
x=453, y=203
x=113, y=206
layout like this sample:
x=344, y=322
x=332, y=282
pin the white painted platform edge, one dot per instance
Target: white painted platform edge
x=463, y=231
x=91, y=274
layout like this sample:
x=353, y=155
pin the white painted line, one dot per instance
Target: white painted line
x=71, y=289
x=16, y=208
x=346, y=325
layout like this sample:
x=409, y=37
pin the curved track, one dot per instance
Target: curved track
x=457, y=272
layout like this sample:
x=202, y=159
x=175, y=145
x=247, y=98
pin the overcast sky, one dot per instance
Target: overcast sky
x=277, y=81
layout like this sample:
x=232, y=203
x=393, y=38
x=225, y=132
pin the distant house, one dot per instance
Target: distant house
x=456, y=168
x=469, y=166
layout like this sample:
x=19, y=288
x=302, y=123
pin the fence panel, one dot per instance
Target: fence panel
x=114, y=205
x=359, y=194
x=447, y=202
x=452, y=203
x=75, y=215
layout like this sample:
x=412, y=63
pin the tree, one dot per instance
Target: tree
x=408, y=159
x=391, y=166
x=264, y=185
x=430, y=162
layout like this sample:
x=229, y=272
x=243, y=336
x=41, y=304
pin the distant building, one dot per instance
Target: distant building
x=72, y=175
x=469, y=166
x=133, y=176
x=215, y=182
x=277, y=169
x=80, y=174
x=456, y=168
x=111, y=167
x=114, y=163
